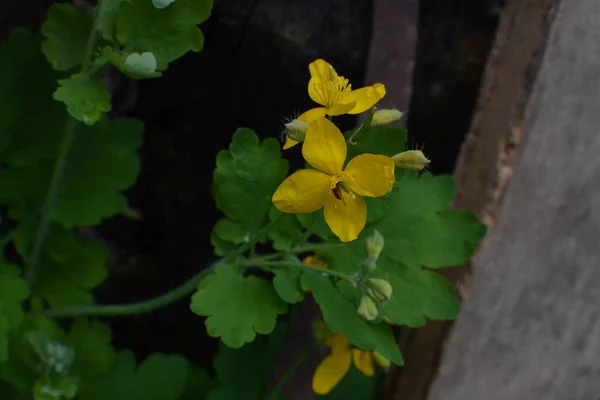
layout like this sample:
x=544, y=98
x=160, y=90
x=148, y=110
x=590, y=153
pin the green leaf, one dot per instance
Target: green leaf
x=70, y=268
x=159, y=377
x=315, y=222
x=168, y=33
x=340, y=315
x=102, y=163
x=242, y=373
x=13, y=290
x=418, y=294
x=237, y=307
x=386, y=140
x=287, y=285
x=133, y=70
x=420, y=231
x=227, y=235
x=162, y=3
x=86, y=97
x=245, y=179
x=107, y=18
x=94, y=354
x=198, y=385
x=66, y=30
x=55, y=388
x=285, y=231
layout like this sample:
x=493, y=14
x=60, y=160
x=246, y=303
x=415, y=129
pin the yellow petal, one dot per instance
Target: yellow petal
x=338, y=342
x=312, y=114
x=341, y=108
x=365, y=98
x=320, y=69
x=324, y=146
x=371, y=174
x=363, y=360
x=304, y=191
x=330, y=372
x=289, y=143
x=346, y=217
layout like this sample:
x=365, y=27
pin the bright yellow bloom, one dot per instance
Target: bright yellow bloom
x=328, y=185
x=336, y=365
x=335, y=94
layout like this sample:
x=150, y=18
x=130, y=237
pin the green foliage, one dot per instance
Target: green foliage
x=340, y=315
x=13, y=290
x=420, y=230
x=245, y=178
x=354, y=386
x=66, y=30
x=159, y=377
x=243, y=373
x=168, y=33
x=386, y=140
x=237, y=307
x=86, y=97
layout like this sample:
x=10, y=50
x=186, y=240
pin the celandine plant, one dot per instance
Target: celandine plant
x=360, y=230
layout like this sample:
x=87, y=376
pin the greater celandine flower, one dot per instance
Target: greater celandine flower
x=334, y=93
x=339, y=190
x=336, y=365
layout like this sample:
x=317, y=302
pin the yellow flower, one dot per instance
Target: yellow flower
x=336, y=365
x=335, y=94
x=328, y=185
x=315, y=261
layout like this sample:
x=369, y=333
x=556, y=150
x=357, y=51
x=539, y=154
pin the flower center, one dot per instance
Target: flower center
x=330, y=90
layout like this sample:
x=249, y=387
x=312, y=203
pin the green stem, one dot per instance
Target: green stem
x=132, y=308
x=49, y=207
x=284, y=264
x=305, y=248
x=291, y=370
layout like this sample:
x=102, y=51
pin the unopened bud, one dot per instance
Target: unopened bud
x=385, y=117
x=367, y=309
x=381, y=290
x=381, y=360
x=412, y=160
x=296, y=130
x=374, y=244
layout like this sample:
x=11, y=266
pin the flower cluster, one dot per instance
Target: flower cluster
x=330, y=185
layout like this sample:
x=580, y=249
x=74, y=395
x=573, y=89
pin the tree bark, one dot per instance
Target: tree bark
x=530, y=328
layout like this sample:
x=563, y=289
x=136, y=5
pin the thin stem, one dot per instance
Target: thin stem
x=291, y=370
x=132, y=308
x=284, y=264
x=305, y=248
x=49, y=206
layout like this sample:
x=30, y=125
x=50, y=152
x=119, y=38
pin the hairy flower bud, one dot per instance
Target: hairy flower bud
x=367, y=309
x=374, y=244
x=296, y=130
x=381, y=290
x=413, y=160
x=385, y=117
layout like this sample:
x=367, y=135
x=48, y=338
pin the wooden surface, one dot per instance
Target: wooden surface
x=530, y=328
x=484, y=167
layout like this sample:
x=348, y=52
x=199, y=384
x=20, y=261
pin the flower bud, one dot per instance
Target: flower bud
x=412, y=160
x=381, y=290
x=374, y=244
x=296, y=130
x=381, y=360
x=385, y=117
x=367, y=309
